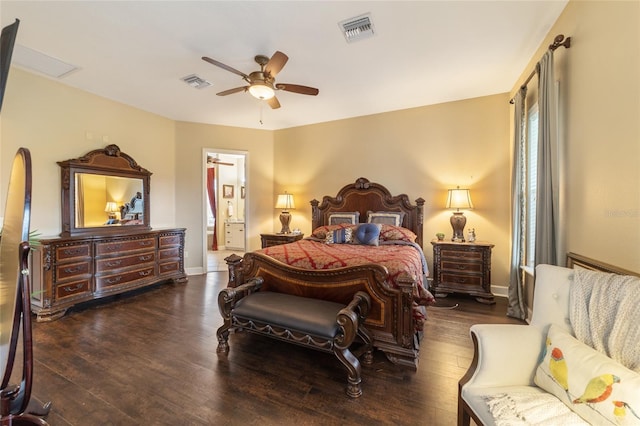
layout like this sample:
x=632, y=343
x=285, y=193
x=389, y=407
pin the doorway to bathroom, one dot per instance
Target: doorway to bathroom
x=225, y=197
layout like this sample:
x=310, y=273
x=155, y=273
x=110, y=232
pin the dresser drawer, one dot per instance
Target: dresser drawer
x=169, y=240
x=113, y=263
x=458, y=254
x=457, y=266
x=71, y=270
x=74, y=289
x=72, y=252
x=107, y=281
x=125, y=245
x=168, y=253
x=169, y=267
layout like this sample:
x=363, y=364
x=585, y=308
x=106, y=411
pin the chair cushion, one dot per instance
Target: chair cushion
x=587, y=381
x=311, y=316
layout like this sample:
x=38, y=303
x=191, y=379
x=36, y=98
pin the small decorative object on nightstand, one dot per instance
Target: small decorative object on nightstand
x=269, y=240
x=462, y=268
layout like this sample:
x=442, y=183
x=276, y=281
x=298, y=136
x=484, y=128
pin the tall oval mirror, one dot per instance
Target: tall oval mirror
x=103, y=192
x=15, y=230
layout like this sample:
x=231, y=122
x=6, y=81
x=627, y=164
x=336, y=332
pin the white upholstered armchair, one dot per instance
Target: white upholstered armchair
x=516, y=365
x=506, y=355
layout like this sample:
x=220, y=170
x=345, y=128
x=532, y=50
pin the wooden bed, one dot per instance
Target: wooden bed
x=391, y=320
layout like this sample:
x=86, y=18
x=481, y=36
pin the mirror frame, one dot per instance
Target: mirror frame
x=109, y=161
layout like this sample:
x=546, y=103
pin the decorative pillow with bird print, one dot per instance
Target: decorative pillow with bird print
x=591, y=384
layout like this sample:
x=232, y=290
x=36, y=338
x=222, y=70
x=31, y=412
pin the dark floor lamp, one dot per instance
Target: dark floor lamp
x=285, y=202
x=459, y=199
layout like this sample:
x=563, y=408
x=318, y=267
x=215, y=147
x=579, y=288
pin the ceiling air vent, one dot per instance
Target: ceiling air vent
x=357, y=28
x=195, y=81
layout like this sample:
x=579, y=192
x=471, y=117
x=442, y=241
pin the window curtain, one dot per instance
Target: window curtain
x=547, y=207
x=516, y=306
x=211, y=191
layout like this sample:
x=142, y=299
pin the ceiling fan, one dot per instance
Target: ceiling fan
x=261, y=83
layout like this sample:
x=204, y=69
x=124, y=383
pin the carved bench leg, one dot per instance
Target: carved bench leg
x=354, y=390
x=223, y=338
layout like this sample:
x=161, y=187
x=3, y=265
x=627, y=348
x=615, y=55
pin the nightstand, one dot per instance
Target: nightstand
x=462, y=268
x=269, y=240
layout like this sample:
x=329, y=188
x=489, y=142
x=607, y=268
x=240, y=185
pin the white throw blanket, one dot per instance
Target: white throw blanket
x=530, y=409
x=604, y=313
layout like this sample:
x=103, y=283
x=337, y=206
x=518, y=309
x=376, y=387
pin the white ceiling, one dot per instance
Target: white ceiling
x=423, y=52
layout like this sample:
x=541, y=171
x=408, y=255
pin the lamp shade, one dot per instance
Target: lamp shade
x=285, y=202
x=111, y=207
x=261, y=91
x=459, y=199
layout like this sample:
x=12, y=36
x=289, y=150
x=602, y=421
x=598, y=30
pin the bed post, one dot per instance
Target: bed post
x=234, y=264
x=420, y=218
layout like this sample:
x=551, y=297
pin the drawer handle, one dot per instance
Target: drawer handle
x=461, y=280
x=73, y=252
x=114, y=263
x=461, y=267
x=145, y=258
x=144, y=273
x=114, y=280
x=145, y=243
x=72, y=289
x=114, y=247
x=73, y=270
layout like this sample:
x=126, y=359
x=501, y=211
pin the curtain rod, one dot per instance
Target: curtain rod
x=557, y=42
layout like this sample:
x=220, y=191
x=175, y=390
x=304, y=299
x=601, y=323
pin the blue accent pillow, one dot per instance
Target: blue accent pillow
x=368, y=234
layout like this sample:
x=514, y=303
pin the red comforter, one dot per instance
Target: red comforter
x=397, y=258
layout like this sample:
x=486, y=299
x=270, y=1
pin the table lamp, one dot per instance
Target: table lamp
x=285, y=202
x=111, y=208
x=458, y=199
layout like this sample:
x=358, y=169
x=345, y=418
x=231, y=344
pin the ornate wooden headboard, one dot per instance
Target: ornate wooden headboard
x=363, y=196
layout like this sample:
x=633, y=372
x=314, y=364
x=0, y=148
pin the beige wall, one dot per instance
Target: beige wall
x=421, y=152
x=600, y=106
x=190, y=141
x=52, y=121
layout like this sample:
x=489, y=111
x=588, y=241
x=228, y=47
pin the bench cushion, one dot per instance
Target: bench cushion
x=311, y=316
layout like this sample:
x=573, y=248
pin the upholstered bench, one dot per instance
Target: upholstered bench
x=314, y=323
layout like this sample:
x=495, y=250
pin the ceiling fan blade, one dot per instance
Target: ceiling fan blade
x=296, y=88
x=234, y=90
x=273, y=103
x=276, y=63
x=225, y=67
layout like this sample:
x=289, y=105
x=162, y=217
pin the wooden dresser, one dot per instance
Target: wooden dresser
x=462, y=268
x=71, y=270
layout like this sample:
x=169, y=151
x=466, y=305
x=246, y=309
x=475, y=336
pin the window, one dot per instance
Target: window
x=531, y=185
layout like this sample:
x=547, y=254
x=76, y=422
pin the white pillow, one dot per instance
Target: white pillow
x=598, y=389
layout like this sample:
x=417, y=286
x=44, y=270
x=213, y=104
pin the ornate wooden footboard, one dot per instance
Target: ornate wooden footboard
x=390, y=319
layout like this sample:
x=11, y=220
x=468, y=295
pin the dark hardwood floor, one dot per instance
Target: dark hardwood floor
x=150, y=358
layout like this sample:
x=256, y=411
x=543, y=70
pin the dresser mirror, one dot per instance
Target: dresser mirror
x=104, y=192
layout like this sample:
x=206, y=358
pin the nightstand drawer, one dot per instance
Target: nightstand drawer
x=475, y=280
x=452, y=265
x=456, y=254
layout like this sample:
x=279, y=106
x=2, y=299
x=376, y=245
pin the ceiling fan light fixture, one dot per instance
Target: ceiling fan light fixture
x=261, y=91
